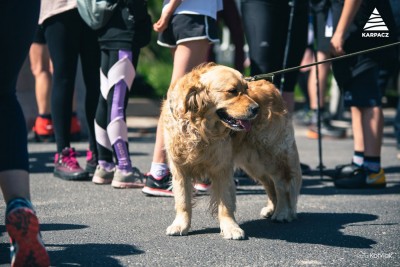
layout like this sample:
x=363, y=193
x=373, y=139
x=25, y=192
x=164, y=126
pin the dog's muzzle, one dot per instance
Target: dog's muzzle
x=241, y=123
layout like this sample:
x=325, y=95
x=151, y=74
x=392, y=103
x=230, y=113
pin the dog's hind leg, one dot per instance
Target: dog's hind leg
x=223, y=195
x=182, y=188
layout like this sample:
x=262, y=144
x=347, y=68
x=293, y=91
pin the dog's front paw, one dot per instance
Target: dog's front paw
x=178, y=229
x=267, y=211
x=286, y=215
x=232, y=232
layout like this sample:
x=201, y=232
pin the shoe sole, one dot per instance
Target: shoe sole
x=79, y=177
x=157, y=192
x=23, y=227
x=122, y=185
x=98, y=180
x=202, y=188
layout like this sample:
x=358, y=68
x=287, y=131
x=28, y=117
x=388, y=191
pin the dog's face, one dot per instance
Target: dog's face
x=220, y=93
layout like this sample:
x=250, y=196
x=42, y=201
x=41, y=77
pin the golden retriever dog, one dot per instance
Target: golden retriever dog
x=213, y=121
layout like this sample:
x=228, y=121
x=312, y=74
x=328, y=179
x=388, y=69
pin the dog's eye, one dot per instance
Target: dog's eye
x=233, y=91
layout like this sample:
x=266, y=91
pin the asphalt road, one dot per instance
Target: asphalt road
x=90, y=225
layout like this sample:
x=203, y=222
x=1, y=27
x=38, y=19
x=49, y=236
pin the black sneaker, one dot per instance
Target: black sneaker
x=91, y=162
x=362, y=178
x=345, y=170
x=305, y=169
x=159, y=188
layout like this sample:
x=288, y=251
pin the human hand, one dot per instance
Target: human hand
x=336, y=45
x=161, y=24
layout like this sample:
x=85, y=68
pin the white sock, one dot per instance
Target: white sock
x=159, y=170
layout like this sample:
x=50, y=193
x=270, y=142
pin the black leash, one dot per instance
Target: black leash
x=270, y=76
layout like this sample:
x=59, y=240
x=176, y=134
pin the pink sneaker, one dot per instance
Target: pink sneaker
x=67, y=167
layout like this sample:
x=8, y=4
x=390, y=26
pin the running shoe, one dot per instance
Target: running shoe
x=27, y=248
x=345, y=170
x=66, y=166
x=159, y=188
x=125, y=179
x=362, y=178
x=102, y=175
x=204, y=186
x=91, y=162
x=43, y=129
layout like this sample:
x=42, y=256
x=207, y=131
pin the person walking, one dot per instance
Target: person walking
x=121, y=39
x=22, y=223
x=358, y=79
x=68, y=38
x=187, y=28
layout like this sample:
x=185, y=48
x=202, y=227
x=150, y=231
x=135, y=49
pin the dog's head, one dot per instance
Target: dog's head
x=216, y=93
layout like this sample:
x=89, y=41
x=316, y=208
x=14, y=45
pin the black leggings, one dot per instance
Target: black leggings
x=18, y=20
x=266, y=27
x=68, y=37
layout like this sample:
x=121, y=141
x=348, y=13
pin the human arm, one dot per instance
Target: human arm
x=349, y=11
x=166, y=14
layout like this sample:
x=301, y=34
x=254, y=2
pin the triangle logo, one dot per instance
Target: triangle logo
x=375, y=22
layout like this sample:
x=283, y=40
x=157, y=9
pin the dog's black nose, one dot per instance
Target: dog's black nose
x=254, y=109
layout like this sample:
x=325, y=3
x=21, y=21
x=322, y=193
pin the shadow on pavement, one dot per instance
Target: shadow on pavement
x=313, y=228
x=76, y=254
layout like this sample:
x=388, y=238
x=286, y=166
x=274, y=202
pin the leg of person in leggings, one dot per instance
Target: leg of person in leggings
x=113, y=136
x=62, y=33
x=21, y=221
x=90, y=59
x=105, y=170
x=297, y=44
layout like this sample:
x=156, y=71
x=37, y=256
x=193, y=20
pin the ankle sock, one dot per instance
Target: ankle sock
x=358, y=158
x=373, y=164
x=159, y=170
x=18, y=203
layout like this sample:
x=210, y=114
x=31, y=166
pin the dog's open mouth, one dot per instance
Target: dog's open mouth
x=235, y=124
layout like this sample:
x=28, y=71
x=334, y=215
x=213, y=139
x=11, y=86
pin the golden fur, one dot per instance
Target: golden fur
x=213, y=121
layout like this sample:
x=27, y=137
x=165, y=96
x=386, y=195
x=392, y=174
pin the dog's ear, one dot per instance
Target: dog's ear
x=187, y=95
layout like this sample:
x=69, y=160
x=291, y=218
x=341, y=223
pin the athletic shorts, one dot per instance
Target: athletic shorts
x=363, y=90
x=323, y=43
x=187, y=27
x=39, y=35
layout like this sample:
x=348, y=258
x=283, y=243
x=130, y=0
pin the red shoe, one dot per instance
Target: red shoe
x=43, y=129
x=27, y=248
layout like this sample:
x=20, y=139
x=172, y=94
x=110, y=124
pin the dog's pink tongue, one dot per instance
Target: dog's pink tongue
x=245, y=124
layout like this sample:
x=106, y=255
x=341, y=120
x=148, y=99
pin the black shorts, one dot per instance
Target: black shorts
x=363, y=90
x=187, y=27
x=39, y=35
